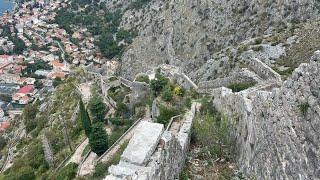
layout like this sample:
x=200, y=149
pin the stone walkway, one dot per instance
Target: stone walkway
x=88, y=165
x=77, y=156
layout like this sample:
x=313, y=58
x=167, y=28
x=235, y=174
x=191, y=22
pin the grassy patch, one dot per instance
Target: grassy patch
x=304, y=108
x=143, y=78
x=68, y=172
x=86, y=150
x=165, y=115
x=212, y=132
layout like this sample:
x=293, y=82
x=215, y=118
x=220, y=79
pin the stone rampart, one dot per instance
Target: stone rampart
x=241, y=76
x=175, y=74
x=277, y=132
x=263, y=70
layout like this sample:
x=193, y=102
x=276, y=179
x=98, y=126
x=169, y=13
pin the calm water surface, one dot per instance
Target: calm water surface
x=5, y=5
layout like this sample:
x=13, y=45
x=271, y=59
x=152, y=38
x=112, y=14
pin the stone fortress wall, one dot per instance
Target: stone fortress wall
x=155, y=153
x=277, y=132
x=257, y=73
x=174, y=73
x=263, y=70
x=240, y=76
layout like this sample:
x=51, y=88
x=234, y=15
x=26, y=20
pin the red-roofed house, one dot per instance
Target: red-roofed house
x=6, y=58
x=4, y=126
x=26, y=90
x=58, y=66
x=24, y=95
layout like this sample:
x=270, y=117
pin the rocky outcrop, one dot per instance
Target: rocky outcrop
x=153, y=154
x=277, y=132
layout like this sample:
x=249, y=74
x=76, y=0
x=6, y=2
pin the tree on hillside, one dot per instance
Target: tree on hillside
x=167, y=94
x=122, y=110
x=29, y=116
x=166, y=113
x=97, y=108
x=158, y=83
x=98, y=139
x=85, y=119
x=3, y=142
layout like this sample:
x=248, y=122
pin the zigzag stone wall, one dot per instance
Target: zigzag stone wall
x=241, y=76
x=276, y=138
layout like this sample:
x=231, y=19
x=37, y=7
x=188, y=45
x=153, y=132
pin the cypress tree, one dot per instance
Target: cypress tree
x=98, y=139
x=85, y=119
x=97, y=108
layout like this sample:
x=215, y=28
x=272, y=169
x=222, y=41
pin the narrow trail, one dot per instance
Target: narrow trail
x=77, y=156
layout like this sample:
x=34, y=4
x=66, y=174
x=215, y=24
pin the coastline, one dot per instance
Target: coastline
x=9, y=6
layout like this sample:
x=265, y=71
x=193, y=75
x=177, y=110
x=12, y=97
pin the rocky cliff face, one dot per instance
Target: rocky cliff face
x=188, y=33
x=277, y=132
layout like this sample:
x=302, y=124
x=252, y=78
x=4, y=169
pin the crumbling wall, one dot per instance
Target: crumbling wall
x=277, y=133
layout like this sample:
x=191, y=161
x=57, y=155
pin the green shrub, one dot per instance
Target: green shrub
x=29, y=116
x=122, y=110
x=237, y=87
x=101, y=169
x=257, y=48
x=212, y=131
x=25, y=173
x=184, y=175
x=258, y=41
x=165, y=115
x=85, y=151
x=242, y=48
x=57, y=81
x=68, y=172
x=139, y=4
x=304, y=108
x=158, y=83
x=143, y=78
x=167, y=93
